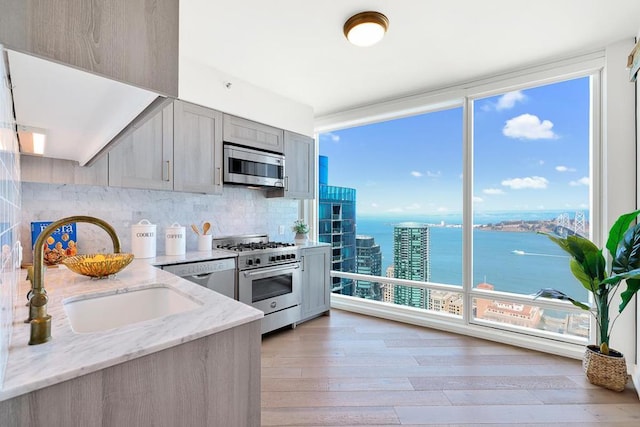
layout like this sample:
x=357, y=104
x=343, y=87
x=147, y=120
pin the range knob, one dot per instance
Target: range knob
x=272, y=258
x=293, y=256
x=249, y=262
x=257, y=261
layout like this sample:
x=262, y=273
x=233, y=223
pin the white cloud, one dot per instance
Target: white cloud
x=331, y=136
x=509, y=99
x=528, y=126
x=443, y=209
x=395, y=210
x=416, y=174
x=582, y=181
x=412, y=207
x=535, y=182
x=564, y=169
x=374, y=205
x=493, y=191
x=477, y=199
x=434, y=174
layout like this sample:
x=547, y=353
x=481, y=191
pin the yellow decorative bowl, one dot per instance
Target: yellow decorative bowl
x=98, y=265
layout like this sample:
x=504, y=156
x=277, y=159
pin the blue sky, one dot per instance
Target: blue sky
x=531, y=153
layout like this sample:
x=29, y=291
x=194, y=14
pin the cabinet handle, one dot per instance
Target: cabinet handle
x=219, y=176
x=286, y=183
x=168, y=162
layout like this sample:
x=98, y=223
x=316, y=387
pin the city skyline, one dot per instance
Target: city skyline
x=531, y=153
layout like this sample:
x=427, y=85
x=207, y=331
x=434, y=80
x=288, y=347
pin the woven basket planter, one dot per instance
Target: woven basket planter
x=606, y=371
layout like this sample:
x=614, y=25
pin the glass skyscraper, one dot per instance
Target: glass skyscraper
x=337, y=226
x=368, y=261
x=412, y=261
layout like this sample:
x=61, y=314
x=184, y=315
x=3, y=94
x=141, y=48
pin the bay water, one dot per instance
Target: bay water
x=518, y=262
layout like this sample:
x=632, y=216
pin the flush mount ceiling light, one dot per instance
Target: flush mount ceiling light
x=366, y=28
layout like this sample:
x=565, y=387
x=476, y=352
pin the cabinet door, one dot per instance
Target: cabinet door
x=144, y=156
x=252, y=134
x=316, y=291
x=299, y=166
x=197, y=149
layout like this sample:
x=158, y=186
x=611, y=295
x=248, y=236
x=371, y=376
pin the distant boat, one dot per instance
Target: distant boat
x=517, y=252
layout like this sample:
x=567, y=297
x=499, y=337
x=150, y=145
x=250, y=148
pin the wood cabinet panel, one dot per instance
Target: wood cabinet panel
x=316, y=283
x=197, y=149
x=143, y=157
x=252, y=134
x=212, y=381
x=134, y=41
x=57, y=171
x=300, y=167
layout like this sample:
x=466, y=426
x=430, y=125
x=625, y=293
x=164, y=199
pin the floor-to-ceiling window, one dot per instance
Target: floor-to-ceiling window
x=518, y=160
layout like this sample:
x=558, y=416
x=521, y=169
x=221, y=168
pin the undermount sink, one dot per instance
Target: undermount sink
x=124, y=307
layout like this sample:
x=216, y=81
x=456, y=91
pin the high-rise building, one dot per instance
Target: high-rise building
x=337, y=226
x=368, y=261
x=412, y=261
x=388, y=291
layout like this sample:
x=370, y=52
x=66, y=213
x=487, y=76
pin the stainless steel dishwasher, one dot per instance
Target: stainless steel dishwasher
x=218, y=275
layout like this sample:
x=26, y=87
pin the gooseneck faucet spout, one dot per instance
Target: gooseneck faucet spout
x=38, y=318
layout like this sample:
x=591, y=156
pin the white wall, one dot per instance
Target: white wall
x=207, y=86
x=619, y=179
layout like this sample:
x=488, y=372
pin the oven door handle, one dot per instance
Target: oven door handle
x=262, y=271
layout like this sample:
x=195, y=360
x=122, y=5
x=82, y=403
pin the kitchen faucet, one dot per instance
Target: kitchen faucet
x=38, y=318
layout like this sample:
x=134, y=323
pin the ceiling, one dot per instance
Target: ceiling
x=296, y=48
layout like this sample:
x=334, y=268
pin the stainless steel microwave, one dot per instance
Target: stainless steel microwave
x=253, y=167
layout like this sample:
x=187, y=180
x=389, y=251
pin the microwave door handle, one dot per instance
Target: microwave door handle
x=270, y=270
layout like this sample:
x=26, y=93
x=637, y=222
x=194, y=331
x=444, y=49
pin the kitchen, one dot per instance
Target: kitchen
x=236, y=211
x=55, y=188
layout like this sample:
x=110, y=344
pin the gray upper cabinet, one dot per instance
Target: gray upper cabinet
x=143, y=157
x=176, y=148
x=252, y=134
x=133, y=41
x=197, y=149
x=299, y=168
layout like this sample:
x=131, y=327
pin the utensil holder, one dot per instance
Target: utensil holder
x=204, y=242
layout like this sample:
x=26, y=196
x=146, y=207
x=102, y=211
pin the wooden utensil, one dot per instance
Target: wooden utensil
x=205, y=227
x=195, y=229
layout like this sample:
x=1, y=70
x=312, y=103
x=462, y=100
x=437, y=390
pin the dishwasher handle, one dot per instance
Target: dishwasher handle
x=201, y=276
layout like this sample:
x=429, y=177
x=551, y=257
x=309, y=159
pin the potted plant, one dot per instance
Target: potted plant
x=604, y=366
x=301, y=230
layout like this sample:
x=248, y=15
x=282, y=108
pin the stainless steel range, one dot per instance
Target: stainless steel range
x=268, y=277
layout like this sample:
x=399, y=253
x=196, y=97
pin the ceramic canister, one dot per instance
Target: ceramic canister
x=175, y=240
x=143, y=239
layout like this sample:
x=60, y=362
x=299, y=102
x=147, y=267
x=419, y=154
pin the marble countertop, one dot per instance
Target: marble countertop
x=69, y=354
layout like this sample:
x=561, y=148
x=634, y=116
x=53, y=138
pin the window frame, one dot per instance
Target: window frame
x=464, y=95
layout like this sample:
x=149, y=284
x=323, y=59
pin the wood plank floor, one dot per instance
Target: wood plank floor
x=348, y=369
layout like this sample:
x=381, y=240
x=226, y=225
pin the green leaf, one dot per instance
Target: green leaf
x=556, y=294
x=578, y=271
x=633, y=286
x=580, y=247
x=618, y=230
x=628, y=253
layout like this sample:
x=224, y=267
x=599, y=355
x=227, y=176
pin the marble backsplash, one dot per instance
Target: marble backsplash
x=237, y=211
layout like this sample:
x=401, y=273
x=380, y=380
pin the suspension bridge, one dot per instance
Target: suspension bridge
x=564, y=226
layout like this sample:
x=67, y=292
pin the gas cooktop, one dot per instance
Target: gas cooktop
x=242, y=247
x=256, y=250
